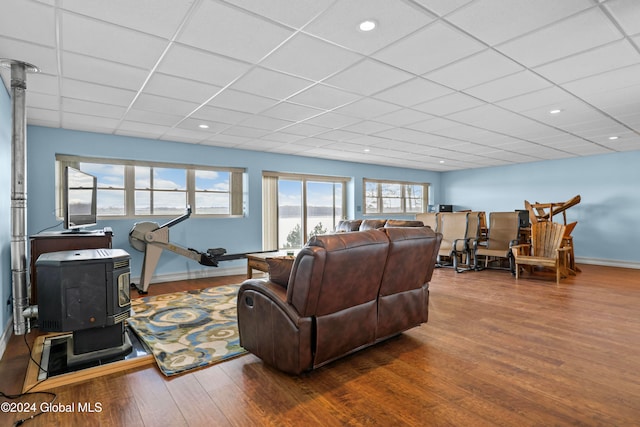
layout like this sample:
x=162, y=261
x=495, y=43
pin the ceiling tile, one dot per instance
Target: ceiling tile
x=183, y=135
x=193, y=125
x=443, y=7
x=28, y=21
x=44, y=58
x=448, y=104
x=161, y=104
x=368, y=77
x=496, y=21
x=230, y=31
x=324, y=97
x=368, y=127
x=71, y=105
x=402, y=117
x=190, y=63
x=395, y=20
x=606, y=82
x=430, y=48
x=509, y=86
x=332, y=120
x=93, y=70
x=291, y=112
x=304, y=129
x=606, y=58
x=272, y=84
x=42, y=117
x=412, y=92
x=178, y=88
x=222, y=115
x=627, y=14
x=114, y=43
x=308, y=57
x=548, y=97
x=240, y=101
x=88, y=123
x=476, y=69
x=295, y=14
x=576, y=34
x=366, y=108
x=43, y=83
x=97, y=93
x=264, y=122
x=152, y=117
x=162, y=18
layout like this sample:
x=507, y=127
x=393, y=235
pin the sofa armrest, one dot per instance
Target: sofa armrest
x=272, y=329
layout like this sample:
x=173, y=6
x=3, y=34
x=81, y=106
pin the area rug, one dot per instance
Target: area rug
x=189, y=330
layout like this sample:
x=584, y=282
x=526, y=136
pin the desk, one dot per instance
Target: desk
x=57, y=241
x=258, y=261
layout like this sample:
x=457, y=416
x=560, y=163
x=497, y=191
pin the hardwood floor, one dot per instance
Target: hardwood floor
x=494, y=352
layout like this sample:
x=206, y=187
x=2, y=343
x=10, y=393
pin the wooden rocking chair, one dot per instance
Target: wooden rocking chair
x=545, y=249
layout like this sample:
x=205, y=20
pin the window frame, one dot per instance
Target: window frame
x=403, y=196
x=270, y=202
x=237, y=185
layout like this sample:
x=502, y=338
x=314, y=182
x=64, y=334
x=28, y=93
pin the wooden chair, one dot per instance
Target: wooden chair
x=545, y=249
x=503, y=232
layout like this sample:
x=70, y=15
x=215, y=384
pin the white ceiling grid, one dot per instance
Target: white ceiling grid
x=438, y=85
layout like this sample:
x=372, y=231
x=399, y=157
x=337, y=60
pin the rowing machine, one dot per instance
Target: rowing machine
x=151, y=238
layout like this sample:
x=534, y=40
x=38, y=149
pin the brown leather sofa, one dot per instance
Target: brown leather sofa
x=346, y=291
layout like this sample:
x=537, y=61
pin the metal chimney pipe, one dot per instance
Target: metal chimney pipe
x=20, y=289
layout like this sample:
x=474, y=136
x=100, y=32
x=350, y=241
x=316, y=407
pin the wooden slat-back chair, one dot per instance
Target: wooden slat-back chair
x=453, y=227
x=545, y=249
x=504, y=229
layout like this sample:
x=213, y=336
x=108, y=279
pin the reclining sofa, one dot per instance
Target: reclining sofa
x=346, y=291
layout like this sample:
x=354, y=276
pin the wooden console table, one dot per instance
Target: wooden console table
x=57, y=241
x=258, y=261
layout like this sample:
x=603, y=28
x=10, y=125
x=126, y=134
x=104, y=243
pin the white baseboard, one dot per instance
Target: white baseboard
x=198, y=274
x=608, y=262
x=6, y=336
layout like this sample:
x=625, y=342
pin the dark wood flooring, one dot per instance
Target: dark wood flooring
x=495, y=352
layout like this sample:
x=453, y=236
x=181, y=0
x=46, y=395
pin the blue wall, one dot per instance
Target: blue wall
x=609, y=187
x=5, y=207
x=235, y=234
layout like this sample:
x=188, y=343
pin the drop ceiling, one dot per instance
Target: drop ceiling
x=438, y=85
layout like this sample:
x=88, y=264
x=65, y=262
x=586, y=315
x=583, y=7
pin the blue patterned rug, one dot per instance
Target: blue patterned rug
x=189, y=330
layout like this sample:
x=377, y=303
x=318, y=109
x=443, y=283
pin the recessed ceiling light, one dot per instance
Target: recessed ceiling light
x=613, y=138
x=366, y=150
x=367, y=25
x=203, y=126
x=441, y=161
x=555, y=111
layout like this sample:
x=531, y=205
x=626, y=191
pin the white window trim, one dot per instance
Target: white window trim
x=236, y=189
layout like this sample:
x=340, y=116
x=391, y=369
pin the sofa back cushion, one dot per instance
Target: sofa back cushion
x=404, y=291
x=345, y=225
x=372, y=224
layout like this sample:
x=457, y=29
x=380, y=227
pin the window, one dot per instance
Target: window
x=132, y=188
x=297, y=207
x=394, y=197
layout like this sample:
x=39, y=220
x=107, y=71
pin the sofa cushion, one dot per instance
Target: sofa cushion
x=348, y=225
x=280, y=269
x=372, y=224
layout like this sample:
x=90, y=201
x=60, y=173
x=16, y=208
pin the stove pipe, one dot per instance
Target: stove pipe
x=20, y=289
